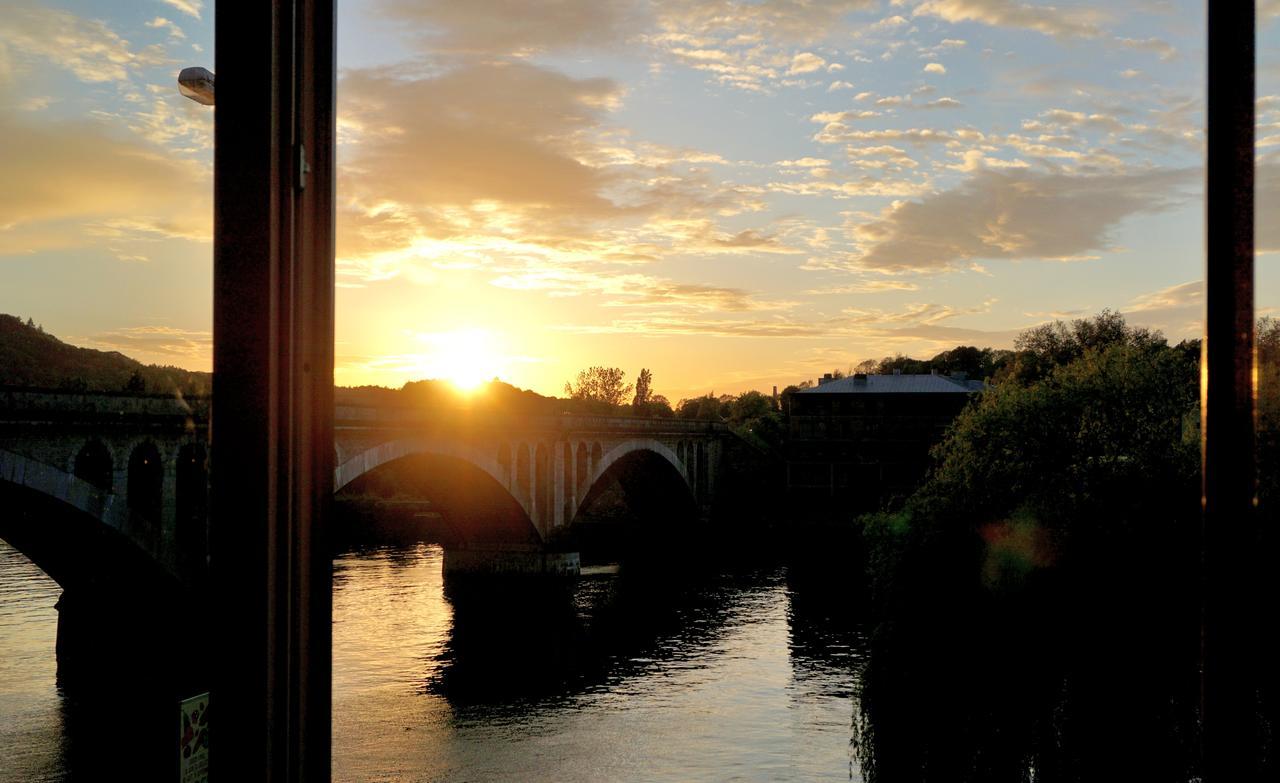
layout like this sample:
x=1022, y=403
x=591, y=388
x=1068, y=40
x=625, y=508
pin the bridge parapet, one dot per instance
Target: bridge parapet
x=28, y=404
x=381, y=416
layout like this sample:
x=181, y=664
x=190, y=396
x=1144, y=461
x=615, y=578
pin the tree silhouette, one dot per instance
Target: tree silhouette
x=601, y=385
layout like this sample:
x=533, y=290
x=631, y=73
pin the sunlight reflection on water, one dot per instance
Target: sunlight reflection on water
x=705, y=683
x=727, y=677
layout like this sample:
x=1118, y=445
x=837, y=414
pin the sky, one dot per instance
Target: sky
x=734, y=194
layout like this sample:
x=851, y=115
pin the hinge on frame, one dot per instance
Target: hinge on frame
x=303, y=168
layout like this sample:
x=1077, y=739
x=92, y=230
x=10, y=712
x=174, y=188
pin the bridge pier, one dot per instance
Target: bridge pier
x=111, y=638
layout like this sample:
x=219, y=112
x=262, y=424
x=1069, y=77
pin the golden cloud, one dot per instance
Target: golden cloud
x=70, y=183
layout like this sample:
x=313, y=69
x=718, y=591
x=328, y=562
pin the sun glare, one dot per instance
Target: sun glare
x=464, y=357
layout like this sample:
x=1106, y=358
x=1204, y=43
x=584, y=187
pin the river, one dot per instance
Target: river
x=741, y=672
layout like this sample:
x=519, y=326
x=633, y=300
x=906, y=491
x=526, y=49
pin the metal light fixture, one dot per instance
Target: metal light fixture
x=197, y=84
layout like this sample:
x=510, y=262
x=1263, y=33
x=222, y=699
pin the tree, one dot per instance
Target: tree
x=748, y=406
x=755, y=418
x=643, y=390
x=1050, y=345
x=1059, y=507
x=659, y=407
x=599, y=385
x=702, y=408
x=136, y=383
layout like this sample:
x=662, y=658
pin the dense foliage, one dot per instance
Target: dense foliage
x=1051, y=554
x=602, y=386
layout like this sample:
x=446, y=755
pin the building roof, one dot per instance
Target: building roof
x=896, y=384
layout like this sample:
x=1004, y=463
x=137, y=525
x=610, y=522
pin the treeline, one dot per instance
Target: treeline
x=31, y=357
x=1052, y=552
x=756, y=416
x=1035, y=354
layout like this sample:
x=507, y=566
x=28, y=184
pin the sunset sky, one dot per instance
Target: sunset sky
x=732, y=194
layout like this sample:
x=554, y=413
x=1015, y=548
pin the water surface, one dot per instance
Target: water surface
x=733, y=674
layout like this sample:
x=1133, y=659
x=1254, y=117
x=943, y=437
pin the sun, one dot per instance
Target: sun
x=464, y=357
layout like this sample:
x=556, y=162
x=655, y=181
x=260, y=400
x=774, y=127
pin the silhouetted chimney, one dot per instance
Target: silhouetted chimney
x=860, y=379
x=825, y=379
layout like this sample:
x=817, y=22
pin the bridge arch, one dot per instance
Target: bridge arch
x=94, y=464
x=580, y=469
x=68, y=552
x=628, y=449
x=145, y=484
x=523, y=485
x=542, y=486
x=191, y=505
x=512, y=488
x=359, y=464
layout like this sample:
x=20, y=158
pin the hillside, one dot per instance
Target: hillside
x=31, y=357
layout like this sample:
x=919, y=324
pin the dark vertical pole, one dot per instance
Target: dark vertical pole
x=1229, y=740
x=271, y=433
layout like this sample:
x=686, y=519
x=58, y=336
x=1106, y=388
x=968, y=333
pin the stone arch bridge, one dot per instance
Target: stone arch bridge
x=137, y=466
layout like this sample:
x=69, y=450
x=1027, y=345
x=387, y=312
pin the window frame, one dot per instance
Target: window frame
x=273, y=364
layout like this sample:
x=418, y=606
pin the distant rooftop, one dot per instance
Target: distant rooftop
x=895, y=384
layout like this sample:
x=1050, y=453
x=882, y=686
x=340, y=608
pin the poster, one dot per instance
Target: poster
x=193, y=744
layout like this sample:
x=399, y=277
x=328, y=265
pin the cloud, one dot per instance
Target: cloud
x=190, y=7
x=880, y=157
x=1267, y=189
x=1177, y=310
x=779, y=20
x=1012, y=214
x=68, y=184
x=638, y=291
x=836, y=131
x=86, y=47
x=840, y=85
x=1182, y=295
x=501, y=27
x=888, y=24
x=866, y=185
x=806, y=62
x=158, y=344
x=803, y=163
x=750, y=45
x=937, y=68
x=1164, y=49
x=866, y=287
x=709, y=327
x=160, y=23
x=1049, y=20
x=434, y=153
x=168, y=120
x=508, y=168
x=940, y=103
x=916, y=314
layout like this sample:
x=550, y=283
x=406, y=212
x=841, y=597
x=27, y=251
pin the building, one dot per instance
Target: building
x=858, y=443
